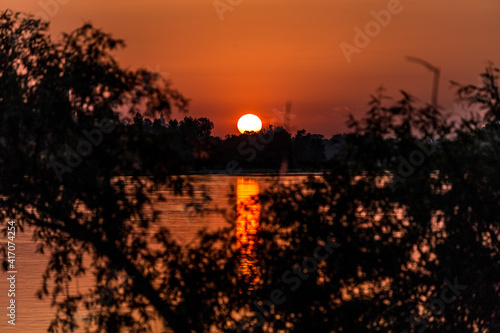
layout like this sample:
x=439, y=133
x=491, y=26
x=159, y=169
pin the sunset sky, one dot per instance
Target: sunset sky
x=253, y=56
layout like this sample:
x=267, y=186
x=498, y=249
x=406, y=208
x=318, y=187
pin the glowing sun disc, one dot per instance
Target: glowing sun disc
x=249, y=122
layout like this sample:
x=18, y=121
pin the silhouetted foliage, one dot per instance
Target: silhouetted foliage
x=410, y=198
x=75, y=197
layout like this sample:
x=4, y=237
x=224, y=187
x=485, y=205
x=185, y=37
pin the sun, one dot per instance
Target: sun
x=250, y=123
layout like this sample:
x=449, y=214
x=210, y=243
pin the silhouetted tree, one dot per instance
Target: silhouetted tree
x=405, y=215
x=308, y=150
x=63, y=154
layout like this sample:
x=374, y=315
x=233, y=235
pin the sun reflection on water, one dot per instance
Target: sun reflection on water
x=247, y=225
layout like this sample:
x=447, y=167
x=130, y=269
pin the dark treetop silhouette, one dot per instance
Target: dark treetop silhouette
x=411, y=202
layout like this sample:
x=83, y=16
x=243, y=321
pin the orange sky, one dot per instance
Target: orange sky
x=263, y=53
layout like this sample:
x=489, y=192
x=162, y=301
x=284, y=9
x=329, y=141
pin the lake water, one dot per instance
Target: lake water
x=34, y=315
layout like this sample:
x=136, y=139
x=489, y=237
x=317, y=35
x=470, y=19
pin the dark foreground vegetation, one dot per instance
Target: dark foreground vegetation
x=400, y=234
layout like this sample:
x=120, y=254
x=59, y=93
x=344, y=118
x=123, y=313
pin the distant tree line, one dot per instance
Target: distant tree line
x=262, y=151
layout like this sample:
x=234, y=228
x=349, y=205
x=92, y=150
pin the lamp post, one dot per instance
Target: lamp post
x=436, y=72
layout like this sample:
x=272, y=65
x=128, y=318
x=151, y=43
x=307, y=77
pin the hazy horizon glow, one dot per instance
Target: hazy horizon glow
x=264, y=53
